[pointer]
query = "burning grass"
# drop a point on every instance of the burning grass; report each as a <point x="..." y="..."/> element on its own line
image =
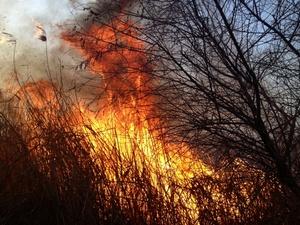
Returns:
<point x="64" y="163"/>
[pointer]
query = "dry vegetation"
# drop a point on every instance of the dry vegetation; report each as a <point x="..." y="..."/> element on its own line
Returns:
<point x="54" y="173"/>
<point x="137" y="155"/>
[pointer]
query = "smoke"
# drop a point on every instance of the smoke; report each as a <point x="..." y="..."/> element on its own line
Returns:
<point x="102" y="11"/>
<point x="19" y="20"/>
<point x="35" y="26"/>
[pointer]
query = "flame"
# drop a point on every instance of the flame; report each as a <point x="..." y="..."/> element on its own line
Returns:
<point x="40" y="95"/>
<point x="122" y="131"/>
<point x="114" y="53"/>
<point x="124" y="127"/>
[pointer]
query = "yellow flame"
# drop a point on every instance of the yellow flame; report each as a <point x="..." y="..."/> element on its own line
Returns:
<point x="132" y="144"/>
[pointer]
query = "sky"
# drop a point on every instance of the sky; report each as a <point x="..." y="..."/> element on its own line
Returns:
<point x="19" y="19"/>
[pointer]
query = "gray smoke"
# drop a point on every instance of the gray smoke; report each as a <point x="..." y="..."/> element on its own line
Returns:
<point x="33" y="54"/>
<point x="18" y="24"/>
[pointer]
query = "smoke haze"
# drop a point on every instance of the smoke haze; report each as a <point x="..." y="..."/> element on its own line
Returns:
<point x="18" y="21"/>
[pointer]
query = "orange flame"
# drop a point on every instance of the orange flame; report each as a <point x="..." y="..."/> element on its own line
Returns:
<point x="121" y="133"/>
<point x="115" y="53"/>
<point x="39" y="95"/>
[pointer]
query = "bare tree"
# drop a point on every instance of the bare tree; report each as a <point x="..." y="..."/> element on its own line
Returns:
<point x="233" y="68"/>
<point x="229" y="76"/>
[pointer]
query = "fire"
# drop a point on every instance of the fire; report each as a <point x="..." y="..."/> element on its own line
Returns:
<point x="114" y="53"/>
<point x="128" y="148"/>
<point x="39" y="95"/>
<point x="122" y="133"/>
<point x="123" y="130"/>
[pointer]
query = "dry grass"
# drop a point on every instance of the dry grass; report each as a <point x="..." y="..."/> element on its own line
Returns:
<point x="49" y="175"/>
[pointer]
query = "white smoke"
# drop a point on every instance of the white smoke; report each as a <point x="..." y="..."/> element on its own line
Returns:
<point x="19" y="19"/>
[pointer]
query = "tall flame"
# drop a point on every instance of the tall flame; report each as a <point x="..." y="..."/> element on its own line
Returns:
<point x="122" y="130"/>
<point x="126" y="122"/>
